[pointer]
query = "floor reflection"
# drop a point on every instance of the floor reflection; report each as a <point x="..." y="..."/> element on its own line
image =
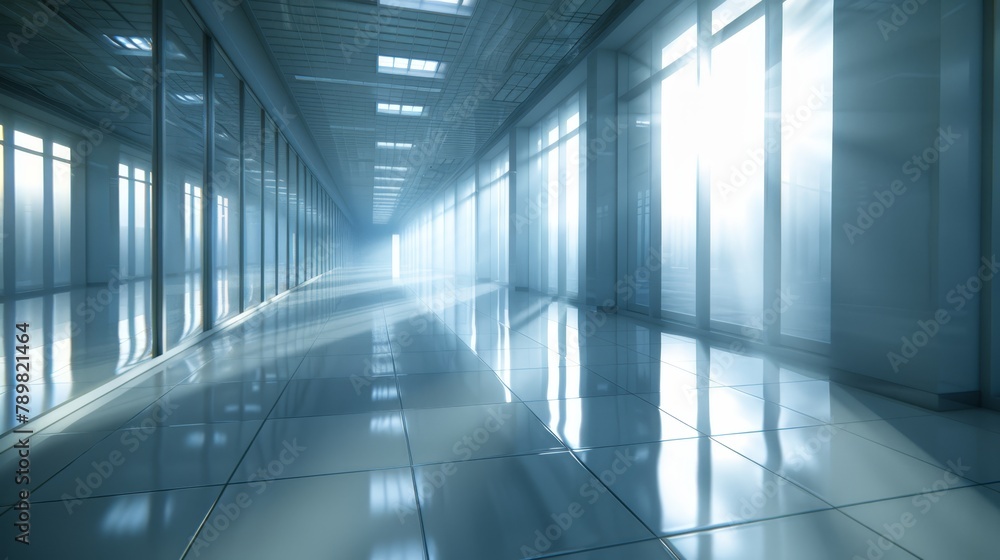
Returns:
<point x="457" y="420"/>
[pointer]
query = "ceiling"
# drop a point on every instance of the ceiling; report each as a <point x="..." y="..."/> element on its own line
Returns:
<point x="492" y="59"/>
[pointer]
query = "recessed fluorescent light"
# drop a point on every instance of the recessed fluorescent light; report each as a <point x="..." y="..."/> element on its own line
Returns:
<point x="395" y="145"/>
<point x="453" y="7"/>
<point x="410" y="66"/>
<point x="131" y="43"/>
<point x="189" y="98"/>
<point x="400" y="179"/>
<point x="367" y="84"/>
<point x="387" y="188"/>
<point x="399" y="109"/>
<point x="393" y="169"/>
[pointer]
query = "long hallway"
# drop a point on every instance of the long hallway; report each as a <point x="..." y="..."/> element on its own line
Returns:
<point x="353" y="419"/>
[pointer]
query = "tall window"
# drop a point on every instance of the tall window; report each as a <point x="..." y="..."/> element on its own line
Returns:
<point x="806" y="167"/>
<point x="270" y="215"/>
<point x="735" y="160"/>
<point x="679" y="130"/>
<point x="557" y="172"/>
<point x="43" y="181"/>
<point x="252" y="227"/>
<point x="133" y="215"/>
<point x="465" y="235"/>
<point x="698" y="98"/>
<point x="494" y="217"/>
<point x="183" y="177"/>
<point x="225" y="182"/>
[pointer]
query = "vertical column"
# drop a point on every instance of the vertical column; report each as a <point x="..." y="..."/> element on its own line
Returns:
<point x="990" y="351"/>
<point x="703" y="252"/>
<point x="208" y="235"/>
<point x="243" y="195"/>
<point x="158" y="194"/>
<point x="772" y="167"/>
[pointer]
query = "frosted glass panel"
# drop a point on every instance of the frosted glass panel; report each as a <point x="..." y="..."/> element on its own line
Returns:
<point x="29" y="198"/>
<point x="573" y="210"/>
<point x="736" y="159"/>
<point x="806" y="167"/>
<point x="183" y="179"/>
<point x="679" y="189"/>
<point x="638" y="173"/>
<point x="252" y="193"/>
<point x="270" y="213"/>
<point x="282" y="171"/>
<point x="226" y="191"/>
<point x="62" y="236"/>
<point x="552" y="223"/>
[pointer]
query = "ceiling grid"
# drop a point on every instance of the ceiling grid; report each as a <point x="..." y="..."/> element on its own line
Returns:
<point x="492" y="60"/>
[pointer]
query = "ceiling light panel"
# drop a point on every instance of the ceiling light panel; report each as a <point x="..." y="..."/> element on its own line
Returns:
<point x="410" y="67"/>
<point x="452" y="7"/>
<point x="399" y="109"/>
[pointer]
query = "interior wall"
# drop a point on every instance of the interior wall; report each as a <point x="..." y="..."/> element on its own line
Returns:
<point x="906" y="195"/>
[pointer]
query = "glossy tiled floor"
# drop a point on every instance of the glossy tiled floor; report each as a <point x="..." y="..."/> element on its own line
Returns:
<point x="357" y="420"/>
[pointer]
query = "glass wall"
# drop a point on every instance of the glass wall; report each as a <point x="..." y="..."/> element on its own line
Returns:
<point x="78" y="193"/>
<point x="465" y="232"/>
<point x="680" y="130"/>
<point x="806" y="166"/>
<point x="225" y="189"/>
<point x="282" y="186"/>
<point x="183" y="181"/>
<point x="734" y="95"/>
<point x="253" y="227"/>
<point x="638" y="154"/>
<point x="492" y="199"/>
<point x="557" y="169"/>
<point x="698" y="145"/>
<point x="270" y="201"/>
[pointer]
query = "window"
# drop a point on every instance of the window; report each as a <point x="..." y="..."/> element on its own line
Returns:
<point x="252" y="230"/>
<point x="679" y="190"/>
<point x="226" y="192"/>
<point x="270" y="187"/>
<point x="29" y="208"/>
<point x="494" y="218"/>
<point x="806" y="167"/>
<point x="557" y="172"/>
<point x="183" y="179"/>
<point x="735" y="121"/>
<point x="704" y="111"/>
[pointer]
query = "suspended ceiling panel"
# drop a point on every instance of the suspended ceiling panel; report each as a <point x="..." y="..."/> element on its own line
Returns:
<point x="490" y="61"/>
